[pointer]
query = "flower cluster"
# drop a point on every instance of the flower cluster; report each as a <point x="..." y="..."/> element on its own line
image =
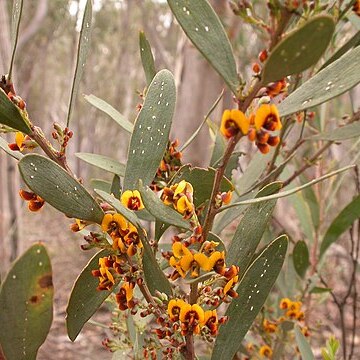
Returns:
<point x="292" y="309"/>
<point x="35" y="202"/>
<point x="259" y="126"/>
<point x="181" y="197"/>
<point x="192" y="319"/>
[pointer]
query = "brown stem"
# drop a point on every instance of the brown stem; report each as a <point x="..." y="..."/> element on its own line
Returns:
<point x="309" y="163"/>
<point x="190" y="349"/>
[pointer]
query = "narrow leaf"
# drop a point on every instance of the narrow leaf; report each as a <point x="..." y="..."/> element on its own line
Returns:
<point x="101" y="185"/>
<point x="202" y="181"/>
<point x="147" y="58"/>
<point x="103" y="162"/>
<point x="151" y="132"/>
<point x="162" y="212"/>
<point x="154" y="276"/>
<point x="311" y="41"/>
<point x="301" y="258"/>
<point x="251" y="229"/>
<point x="5" y="146"/>
<point x="304" y="347"/>
<point x="82" y="52"/>
<point x="85" y="299"/>
<point x="109" y="110"/>
<point x="341" y="133"/>
<point x="342" y="222"/>
<point x="50" y="181"/>
<point x="319" y="290"/>
<point x="26" y="303"/>
<point x="203" y="27"/>
<point x="288" y="192"/>
<point x="11" y="115"/>
<point x="337" y="78"/>
<point x="253" y="290"/>
<point x="15" y="26"/>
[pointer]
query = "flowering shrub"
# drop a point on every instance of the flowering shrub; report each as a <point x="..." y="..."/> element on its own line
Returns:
<point x="189" y="285"/>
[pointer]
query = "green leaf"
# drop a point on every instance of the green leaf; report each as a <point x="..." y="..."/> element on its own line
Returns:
<point x="50" y="181"/>
<point x="337" y="78"/>
<point x="203" y="27"/>
<point x="202" y="181"/>
<point x="300" y="49"/>
<point x="288" y="192"/>
<point x="251" y="229"/>
<point x="304" y="347"/>
<point x="85" y="299"/>
<point x="147" y="58"/>
<point x="15" y="26"/>
<point x="82" y="52"/>
<point x="312" y="202"/>
<point x="116" y="186"/>
<point x="103" y="162"/>
<point x="154" y="276"/>
<point x="151" y="132"/>
<point x="109" y="110"/>
<point x="319" y="290"/>
<point x="253" y="290"/>
<point x="162" y="212"/>
<point x="5" y="146"/>
<point x="342" y="222"/>
<point x="301" y="258"/>
<point x="11" y="115"/>
<point x="349" y="131"/>
<point x="26" y="303"/>
<point x="101" y="185"/>
<point x="353" y="42"/>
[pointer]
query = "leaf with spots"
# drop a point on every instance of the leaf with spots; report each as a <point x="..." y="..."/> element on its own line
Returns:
<point x="202" y="181"/>
<point x="337" y="78"/>
<point x="299" y="50"/>
<point x="151" y="131"/>
<point x="50" y="181"/>
<point x="26" y="303"/>
<point x="147" y="58"/>
<point x="11" y="115"/>
<point x="253" y="290"/>
<point x="85" y="299"/>
<point x="204" y="28"/>
<point x="162" y="212"/>
<point x="109" y="110"/>
<point x="103" y="162"/>
<point x="82" y="52"/>
<point x="251" y="229"/>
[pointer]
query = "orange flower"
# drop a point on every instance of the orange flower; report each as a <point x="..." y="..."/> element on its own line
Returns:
<point x="211" y="321"/>
<point x="265" y="351"/>
<point x="267" y="117"/>
<point x="132" y="200"/>
<point x="182" y="260"/>
<point x="215" y="261"/>
<point x="234" y="121"/>
<point x="269" y="326"/>
<point x="114" y="224"/>
<point x="124" y="297"/>
<point x="191" y="316"/>
<point x="35" y="202"/>
<point x="174" y="308"/>
<point x="285" y="303"/>
<point x="105" y="273"/>
<point x="356" y="7"/>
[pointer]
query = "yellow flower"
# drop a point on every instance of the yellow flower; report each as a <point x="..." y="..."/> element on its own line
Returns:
<point x="19" y="140"/>
<point x="265" y="351"/>
<point x="174" y="308"/>
<point x="234" y="121"/>
<point x="113" y="223"/>
<point x="124" y="297"/>
<point x="106" y="277"/>
<point x="132" y="200"/>
<point x="182" y="259"/>
<point x="269" y="326"/>
<point x="285" y="303"/>
<point x="229" y="287"/>
<point x="267" y="117"/>
<point x="184" y="206"/>
<point x="191" y="316"/>
<point x="207" y="263"/>
<point x="211" y="321"/>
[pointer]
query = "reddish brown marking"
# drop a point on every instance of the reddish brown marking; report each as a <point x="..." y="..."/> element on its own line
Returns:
<point x="34" y="299"/>
<point x="46" y="281"/>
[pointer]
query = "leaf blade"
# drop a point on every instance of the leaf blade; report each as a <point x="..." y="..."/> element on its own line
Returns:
<point x="147" y="58"/>
<point x="26" y="302"/>
<point x="50" y="181"/>
<point x="254" y="287"/>
<point x="203" y="27"/>
<point x="301" y="258"/>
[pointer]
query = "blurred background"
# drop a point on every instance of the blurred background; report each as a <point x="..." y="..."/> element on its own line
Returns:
<point x="43" y="73"/>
